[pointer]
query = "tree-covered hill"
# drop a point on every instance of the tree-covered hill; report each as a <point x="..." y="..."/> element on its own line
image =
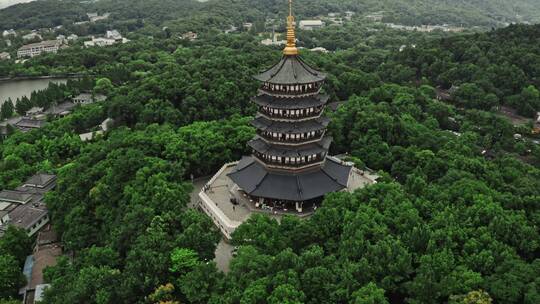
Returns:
<point x="444" y="224"/>
<point x="487" y="13"/>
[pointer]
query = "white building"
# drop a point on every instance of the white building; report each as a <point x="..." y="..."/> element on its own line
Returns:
<point x="191" y="36"/>
<point x="5" y="56"/>
<point x="72" y="37"/>
<point x="87" y="98"/>
<point x="319" y="49"/>
<point x="113" y="34"/>
<point x="35" y="49"/>
<point x="311" y="24"/>
<point x="10" y="32"/>
<point x="96" y="17"/>
<point x="100" y="41"/>
<point x="32" y="36"/>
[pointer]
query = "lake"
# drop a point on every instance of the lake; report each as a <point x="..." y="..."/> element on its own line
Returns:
<point x="18" y="88"/>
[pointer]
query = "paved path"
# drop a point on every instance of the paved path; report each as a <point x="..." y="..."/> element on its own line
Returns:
<point x="224" y="250"/>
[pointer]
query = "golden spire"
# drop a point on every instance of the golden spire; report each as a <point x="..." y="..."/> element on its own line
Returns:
<point x="290" y="48"/>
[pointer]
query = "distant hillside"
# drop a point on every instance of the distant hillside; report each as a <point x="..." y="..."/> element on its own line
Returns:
<point x="415" y="12"/>
<point x="487" y="13"/>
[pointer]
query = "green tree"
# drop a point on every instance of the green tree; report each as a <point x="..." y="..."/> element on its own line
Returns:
<point x="11" y="277"/>
<point x="7" y="109"/>
<point x="369" y="294"/>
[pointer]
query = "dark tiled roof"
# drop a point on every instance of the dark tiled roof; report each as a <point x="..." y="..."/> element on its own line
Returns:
<point x="261" y="146"/>
<point x="40" y="180"/>
<point x="29" y="123"/>
<point x="265" y="124"/>
<point x="290" y="103"/>
<point x="256" y="180"/>
<point x="15" y="196"/>
<point x="291" y="70"/>
<point x="24" y="216"/>
<point x="61" y="108"/>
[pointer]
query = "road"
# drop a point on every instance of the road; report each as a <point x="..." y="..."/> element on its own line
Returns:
<point x="224" y="250"/>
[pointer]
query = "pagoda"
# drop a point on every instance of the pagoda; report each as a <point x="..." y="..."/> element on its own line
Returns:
<point x="289" y="167"/>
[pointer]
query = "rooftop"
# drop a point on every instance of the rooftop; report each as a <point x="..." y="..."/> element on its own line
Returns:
<point x="30" y="123"/>
<point x="60" y="109"/>
<point x="46" y="43"/>
<point x="291" y="70"/>
<point x="256" y="180"/>
<point x="311" y="23"/>
<point x="14" y="196"/>
<point x="25" y="216"/>
<point x="40" y="180"/>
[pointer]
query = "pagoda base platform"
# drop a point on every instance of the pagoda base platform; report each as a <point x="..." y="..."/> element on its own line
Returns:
<point x="229" y="206"/>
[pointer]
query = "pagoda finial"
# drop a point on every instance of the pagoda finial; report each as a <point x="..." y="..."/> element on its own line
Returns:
<point x="290" y="48"/>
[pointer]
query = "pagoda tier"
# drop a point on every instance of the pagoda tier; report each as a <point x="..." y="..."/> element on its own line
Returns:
<point x="257" y="181"/>
<point x="289" y="103"/>
<point x="292" y="74"/>
<point x="290" y="127"/>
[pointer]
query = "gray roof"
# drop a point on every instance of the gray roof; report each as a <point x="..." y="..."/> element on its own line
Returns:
<point x="290" y="103"/>
<point x="61" y="108"/>
<point x="252" y="177"/>
<point x="25" y="216"/>
<point x="40" y="180"/>
<point x="291" y="70"/>
<point x="15" y="196"/>
<point x="296" y="127"/>
<point x="261" y="146"/>
<point x="29" y="123"/>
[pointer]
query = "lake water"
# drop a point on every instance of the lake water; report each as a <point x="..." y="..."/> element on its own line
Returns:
<point x="6" y="3"/>
<point x="18" y="88"/>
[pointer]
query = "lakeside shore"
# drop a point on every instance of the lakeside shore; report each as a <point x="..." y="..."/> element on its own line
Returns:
<point x="7" y="79"/>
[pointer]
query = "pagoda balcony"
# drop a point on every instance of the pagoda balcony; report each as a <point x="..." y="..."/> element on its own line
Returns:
<point x="291" y="115"/>
<point x="290" y="92"/>
<point x="292" y="139"/>
<point x="288" y="164"/>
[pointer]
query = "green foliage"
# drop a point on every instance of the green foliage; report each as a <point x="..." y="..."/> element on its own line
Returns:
<point x="369" y="294"/>
<point x="17" y="243"/>
<point x="183" y="260"/>
<point x="11" y="277"/>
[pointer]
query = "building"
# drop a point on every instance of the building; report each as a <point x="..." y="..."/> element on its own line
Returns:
<point x="191" y="36"/>
<point x="45" y="254"/>
<point x="61" y="110"/>
<point x="10" y="32"/>
<point x="72" y="38"/>
<point x="111" y="37"/>
<point x="100" y="41"/>
<point x="5" y="56"/>
<point x="273" y="41"/>
<point x="103" y="127"/>
<point x="4" y="132"/>
<point x="24" y="207"/>
<point x="349" y="15"/>
<point x="375" y="17"/>
<point x="94" y="17"/>
<point x="289" y="171"/>
<point x="113" y="34"/>
<point x="32" y="36"/>
<point x="26" y="124"/>
<point x="311" y="24"/>
<point x="36" y="49"/>
<point x="319" y="49"/>
<point x="87" y="98"/>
